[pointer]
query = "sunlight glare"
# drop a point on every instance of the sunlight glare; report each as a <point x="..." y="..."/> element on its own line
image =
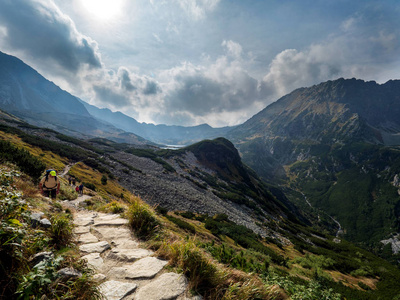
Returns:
<point x="103" y="9"/>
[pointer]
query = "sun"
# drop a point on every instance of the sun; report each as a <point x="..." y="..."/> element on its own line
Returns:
<point x="103" y="9"/>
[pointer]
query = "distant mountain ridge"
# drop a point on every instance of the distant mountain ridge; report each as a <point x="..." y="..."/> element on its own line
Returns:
<point x="335" y="111"/>
<point x="161" y="134"/>
<point x="27" y="94"/>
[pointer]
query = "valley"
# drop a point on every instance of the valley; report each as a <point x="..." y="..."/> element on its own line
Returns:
<point x="303" y="196"/>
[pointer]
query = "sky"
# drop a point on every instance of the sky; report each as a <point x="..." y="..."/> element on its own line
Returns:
<point x="189" y="62"/>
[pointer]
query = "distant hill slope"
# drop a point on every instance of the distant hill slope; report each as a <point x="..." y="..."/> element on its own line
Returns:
<point x="161" y="134"/>
<point x="336" y="144"/>
<point x="28" y="95"/>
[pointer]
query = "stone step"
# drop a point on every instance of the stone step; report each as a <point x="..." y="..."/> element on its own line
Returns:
<point x="116" y="290"/>
<point x="128" y="255"/>
<point x="99" y="247"/>
<point x="167" y="286"/>
<point x="111" y="233"/>
<point x="87" y="238"/>
<point x="94" y="260"/>
<point x="147" y="267"/>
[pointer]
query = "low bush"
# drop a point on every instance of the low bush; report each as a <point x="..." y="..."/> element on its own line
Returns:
<point x="61" y="230"/>
<point x="182" y="224"/>
<point x="114" y="207"/>
<point x="189" y="258"/>
<point x="142" y="219"/>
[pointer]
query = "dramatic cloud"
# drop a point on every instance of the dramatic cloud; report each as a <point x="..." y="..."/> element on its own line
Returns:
<point x="40" y="28"/>
<point x="358" y="50"/>
<point x="198" y="78"/>
<point x="199" y="92"/>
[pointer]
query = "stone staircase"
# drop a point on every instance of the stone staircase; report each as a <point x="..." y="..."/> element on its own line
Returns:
<point x="125" y="270"/>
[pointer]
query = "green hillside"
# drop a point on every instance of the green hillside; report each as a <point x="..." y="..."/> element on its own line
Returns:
<point x="222" y="260"/>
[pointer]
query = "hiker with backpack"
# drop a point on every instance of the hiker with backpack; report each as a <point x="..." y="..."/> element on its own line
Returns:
<point x="81" y="189"/>
<point x="50" y="185"/>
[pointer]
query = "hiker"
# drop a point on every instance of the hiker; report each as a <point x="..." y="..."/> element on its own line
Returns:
<point x="50" y="185"/>
<point x="77" y="189"/>
<point x="69" y="180"/>
<point x="81" y="189"/>
<point x="73" y="181"/>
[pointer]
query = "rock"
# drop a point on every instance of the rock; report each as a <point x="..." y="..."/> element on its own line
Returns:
<point x="94" y="260"/>
<point x="110" y="233"/>
<point x="116" y="290"/>
<point x="84" y="221"/>
<point x="88" y="238"/>
<point x="99" y="277"/>
<point x="67" y="273"/>
<point x="198" y="297"/>
<point x="35" y="219"/>
<point x="99" y="247"/>
<point x="128" y="255"/>
<point x="110" y="222"/>
<point x="167" y="286"/>
<point x="39" y="257"/>
<point x="81" y="229"/>
<point x="125" y="244"/>
<point x="45" y="223"/>
<point x="147" y="267"/>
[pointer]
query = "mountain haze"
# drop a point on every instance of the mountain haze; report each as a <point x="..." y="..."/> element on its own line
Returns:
<point x="161" y="134"/>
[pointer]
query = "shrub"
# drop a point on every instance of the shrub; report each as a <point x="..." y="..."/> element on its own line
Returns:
<point x="114" y="207"/>
<point x="182" y="224"/>
<point x="365" y="271"/>
<point x="161" y="210"/>
<point x="28" y="163"/>
<point x="90" y="186"/>
<point x="185" y="255"/>
<point x="142" y="219"/>
<point x="104" y="180"/>
<point x="61" y="230"/>
<point x="67" y="193"/>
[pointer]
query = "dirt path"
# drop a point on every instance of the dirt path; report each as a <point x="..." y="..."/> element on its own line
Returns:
<point x="66" y="169"/>
<point x="125" y="270"/>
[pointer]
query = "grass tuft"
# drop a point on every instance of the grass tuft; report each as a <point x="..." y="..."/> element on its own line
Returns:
<point x="142" y="219"/>
<point x="61" y="231"/>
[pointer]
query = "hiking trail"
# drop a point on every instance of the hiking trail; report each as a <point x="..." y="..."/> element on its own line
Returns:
<point x="125" y="270"/>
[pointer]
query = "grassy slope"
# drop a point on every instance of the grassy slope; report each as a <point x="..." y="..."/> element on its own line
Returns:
<point x="235" y="251"/>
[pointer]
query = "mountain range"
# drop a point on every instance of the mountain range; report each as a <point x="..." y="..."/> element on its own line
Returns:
<point x="27" y="94"/>
<point x="332" y="148"/>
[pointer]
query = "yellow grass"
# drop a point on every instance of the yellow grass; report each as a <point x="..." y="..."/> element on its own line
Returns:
<point x="86" y="174"/>
<point x="50" y="159"/>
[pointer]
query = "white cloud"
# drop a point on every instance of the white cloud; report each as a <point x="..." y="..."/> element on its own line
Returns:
<point x="198" y="8"/>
